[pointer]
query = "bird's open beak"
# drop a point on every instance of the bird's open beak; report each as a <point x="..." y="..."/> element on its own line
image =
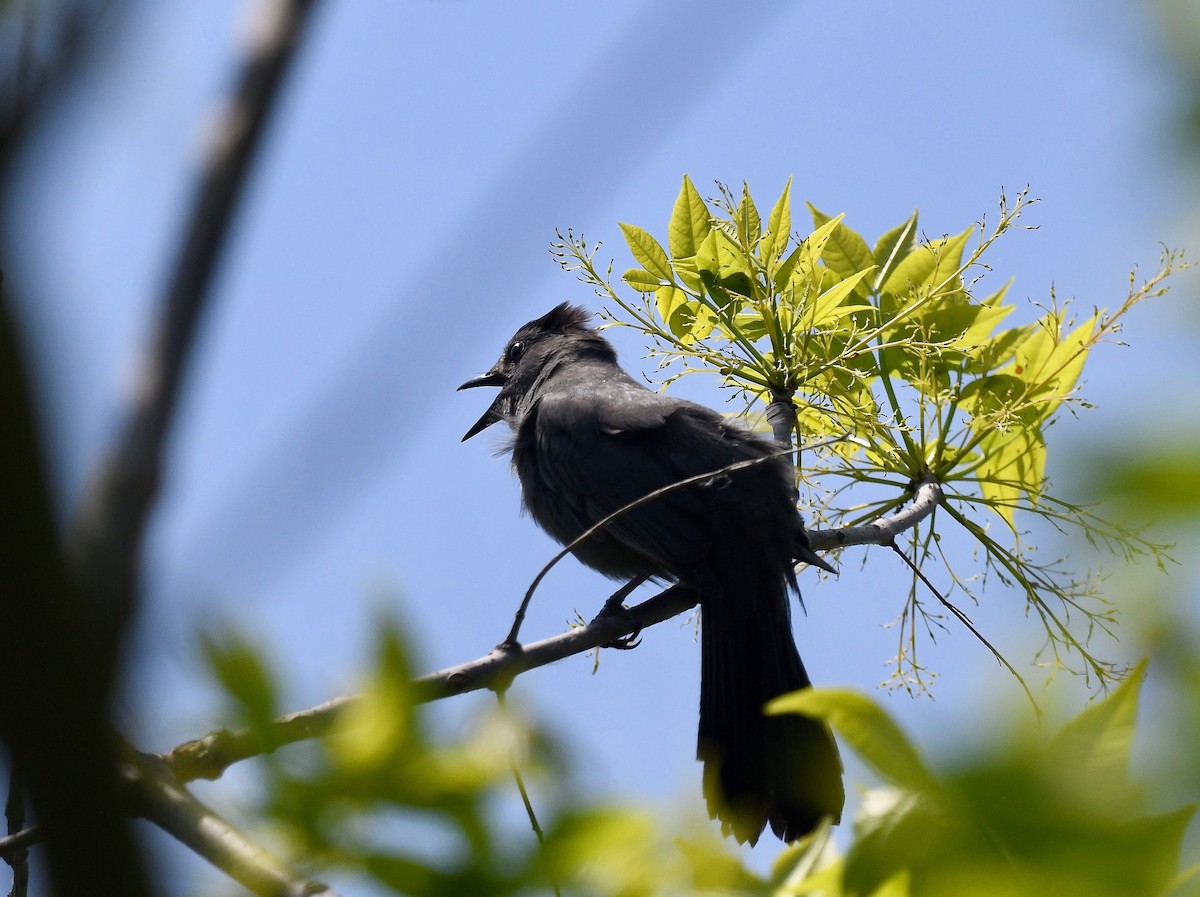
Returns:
<point x="492" y="415"/>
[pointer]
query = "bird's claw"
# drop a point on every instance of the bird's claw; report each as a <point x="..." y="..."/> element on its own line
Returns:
<point x="626" y="642"/>
<point x="614" y="607"/>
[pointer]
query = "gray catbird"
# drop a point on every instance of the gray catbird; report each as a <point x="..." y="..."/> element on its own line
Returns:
<point x="589" y="439"/>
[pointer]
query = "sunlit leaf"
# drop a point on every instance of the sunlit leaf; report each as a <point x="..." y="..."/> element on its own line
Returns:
<point x="779" y="226"/>
<point x="892" y="247"/>
<point x="828" y="307"/>
<point x="749" y="225"/>
<point x="641" y="280"/>
<point x="685" y="316"/>
<point x="864" y="726"/>
<point x="647" y="251"/>
<point x="689" y="221"/>
<point x="847" y="252"/>
<point x="1051" y="362"/>
<point x="720" y="260"/>
<point x="927" y="265"/>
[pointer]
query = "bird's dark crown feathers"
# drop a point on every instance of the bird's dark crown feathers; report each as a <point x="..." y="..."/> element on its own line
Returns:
<point x="564" y="317"/>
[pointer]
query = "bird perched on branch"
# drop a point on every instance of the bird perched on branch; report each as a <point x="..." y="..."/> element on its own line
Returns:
<point x="589" y="440"/>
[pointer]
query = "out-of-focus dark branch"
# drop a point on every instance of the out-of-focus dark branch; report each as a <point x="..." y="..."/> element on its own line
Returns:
<point x="105" y="540"/>
<point x="65" y="609"/>
<point x="34" y="76"/>
<point x="54" y="702"/>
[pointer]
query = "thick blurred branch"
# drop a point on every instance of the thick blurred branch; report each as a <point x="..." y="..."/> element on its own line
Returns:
<point x="66" y="608"/>
<point x="159" y="798"/>
<point x="54" y="701"/>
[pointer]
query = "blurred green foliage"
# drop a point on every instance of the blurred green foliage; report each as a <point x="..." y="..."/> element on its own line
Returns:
<point x="423" y="813"/>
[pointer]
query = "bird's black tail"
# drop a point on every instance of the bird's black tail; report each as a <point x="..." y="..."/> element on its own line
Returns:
<point x="784" y="770"/>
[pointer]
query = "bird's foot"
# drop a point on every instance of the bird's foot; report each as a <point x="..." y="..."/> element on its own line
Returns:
<point x="615" y="607"/>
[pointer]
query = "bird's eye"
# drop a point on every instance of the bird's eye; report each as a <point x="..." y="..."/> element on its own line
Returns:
<point x="515" y="351"/>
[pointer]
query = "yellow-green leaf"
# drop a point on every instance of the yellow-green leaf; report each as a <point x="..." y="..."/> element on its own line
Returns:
<point x="723" y="260"/>
<point x="689" y="221"/>
<point x="865" y="726"/>
<point x="779" y="226"/>
<point x="828" y="306"/>
<point x="647" y="251"/>
<point x="1051" y="363"/>
<point x="641" y="280"/>
<point x="928" y="265"/>
<point x="1014" y="465"/>
<point x="797" y="271"/>
<point x="846" y="252"/>
<point x="749" y="225"/>
<point x="686" y="317"/>
<point x="894" y="246"/>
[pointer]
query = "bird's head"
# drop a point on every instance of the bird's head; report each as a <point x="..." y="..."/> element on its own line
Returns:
<point x="533" y="353"/>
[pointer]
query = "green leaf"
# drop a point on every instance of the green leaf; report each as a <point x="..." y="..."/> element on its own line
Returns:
<point x="779" y="226"/>
<point x="829" y="305"/>
<point x="641" y="280"/>
<point x="1014" y="465"/>
<point x="796" y="274"/>
<point x="867" y="728"/>
<point x="689" y="221"/>
<point x="816" y="242"/>
<point x="647" y="251"/>
<point x="894" y="246"/>
<point x="1051" y="363"/>
<point x="847" y="252"/>
<point x="686" y="317"/>
<point x="749" y="225"/>
<point x="720" y="261"/>
<point x="927" y="265"/>
<point x="1096" y="745"/>
<point x="240" y="669"/>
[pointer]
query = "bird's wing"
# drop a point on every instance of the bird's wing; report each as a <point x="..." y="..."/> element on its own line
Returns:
<point x="596" y="452"/>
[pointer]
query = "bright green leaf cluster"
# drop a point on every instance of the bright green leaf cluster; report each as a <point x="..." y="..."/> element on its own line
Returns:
<point x="898" y="373"/>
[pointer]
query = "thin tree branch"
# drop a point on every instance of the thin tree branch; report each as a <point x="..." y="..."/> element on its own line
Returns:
<point x="36" y="76"/>
<point x="21" y="840"/>
<point x="927" y="495"/>
<point x="210" y="756"/>
<point x="159" y="798"/>
<point x="966" y="621"/>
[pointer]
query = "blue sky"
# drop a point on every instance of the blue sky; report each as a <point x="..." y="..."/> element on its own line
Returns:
<point x="395" y="234"/>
